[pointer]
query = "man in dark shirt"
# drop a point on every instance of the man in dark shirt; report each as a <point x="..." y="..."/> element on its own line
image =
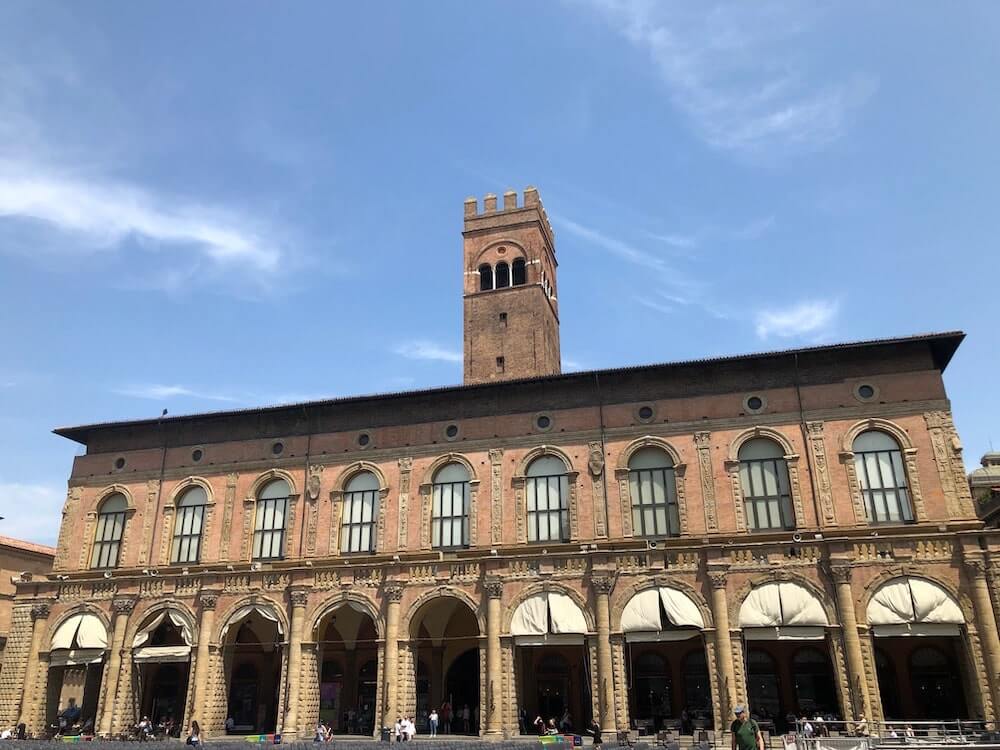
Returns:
<point x="746" y="733"/>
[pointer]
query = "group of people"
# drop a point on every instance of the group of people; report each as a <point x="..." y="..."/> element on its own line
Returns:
<point x="16" y="733"/>
<point x="70" y="721"/>
<point x="147" y="730"/>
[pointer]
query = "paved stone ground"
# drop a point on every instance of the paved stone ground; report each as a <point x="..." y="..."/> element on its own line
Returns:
<point x="464" y="743"/>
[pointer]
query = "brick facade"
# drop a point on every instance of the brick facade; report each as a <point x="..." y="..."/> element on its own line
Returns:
<point x="385" y="626"/>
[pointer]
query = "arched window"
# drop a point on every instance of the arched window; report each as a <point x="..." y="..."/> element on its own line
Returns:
<point x="503" y="275"/>
<point x="485" y="277"/>
<point x="190" y="515"/>
<point x="878" y="463"/>
<point x="269" y="524"/>
<point x="519" y="272"/>
<point x="654" y="493"/>
<point x="767" y="497"/>
<point x="110" y="527"/>
<point x="357" y="533"/>
<point x="547" y="488"/>
<point x="450" y="509"/>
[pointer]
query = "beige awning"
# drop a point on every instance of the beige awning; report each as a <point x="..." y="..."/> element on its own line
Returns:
<point x="248" y="609"/>
<point x="144" y="635"/>
<point x="65" y="657"/>
<point x="161" y="654"/>
<point x="82" y="631"/>
<point x="782" y="611"/>
<point x="914" y="606"/>
<point x="643" y="612"/>
<point x="548" y="613"/>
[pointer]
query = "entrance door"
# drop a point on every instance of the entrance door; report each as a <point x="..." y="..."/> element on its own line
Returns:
<point x="243" y="697"/>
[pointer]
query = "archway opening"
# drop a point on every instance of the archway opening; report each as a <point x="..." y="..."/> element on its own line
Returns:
<point x="788" y="668"/>
<point x="921" y="655"/>
<point x="161" y="653"/>
<point x="253" y="646"/>
<point x="669" y="685"/>
<point x="444" y="639"/>
<point x="348" y="654"/>
<point x="76" y="666"/>
<point x="552" y="670"/>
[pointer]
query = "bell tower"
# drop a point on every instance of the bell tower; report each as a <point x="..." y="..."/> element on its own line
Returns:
<point x="510" y="301"/>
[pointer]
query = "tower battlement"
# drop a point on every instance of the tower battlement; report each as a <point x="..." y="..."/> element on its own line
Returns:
<point x="494" y="215"/>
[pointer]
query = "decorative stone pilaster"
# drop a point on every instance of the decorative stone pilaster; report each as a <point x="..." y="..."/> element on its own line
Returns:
<point x="227" y="517"/>
<point x="405" y="467"/>
<point x="148" y="515"/>
<point x="703" y="444"/>
<point x="309" y="688"/>
<point x="860" y="703"/>
<point x="727" y="687"/>
<point x="602" y="585"/>
<point x="299" y="599"/>
<point x="494" y="675"/>
<point x="822" y="485"/>
<point x="393" y="593"/>
<point x="496" y="496"/>
<point x="313" y="486"/>
<point x="67" y="528"/>
<point x="509" y="705"/>
<point x="595" y="466"/>
<point x="951" y="469"/>
<point x="122" y="608"/>
<point x="619" y="671"/>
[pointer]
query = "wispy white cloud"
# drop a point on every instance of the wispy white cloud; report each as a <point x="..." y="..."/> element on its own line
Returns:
<point x="755" y="229"/>
<point x="614" y="245"/>
<point x="102" y="214"/>
<point x="732" y="69"/>
<point x="811" y="319"/>
<point x="31" y="511"/>
<point x="680" y="241"/>
<point x="159" y="392"/>
<point x="427" y="350"/>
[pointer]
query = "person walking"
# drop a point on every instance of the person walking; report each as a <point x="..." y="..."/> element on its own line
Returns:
<point x="432" y="720"/>
<point x="194" y="738"/>
<point x="746" y="732"/>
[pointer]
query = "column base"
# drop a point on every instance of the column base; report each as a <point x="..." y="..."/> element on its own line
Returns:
<point x="492" y="734"/>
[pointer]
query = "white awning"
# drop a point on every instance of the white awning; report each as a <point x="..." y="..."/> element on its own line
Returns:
<point x="248" y="609"/>
<point x="144" y="635"/>
<point x="161" y="654"/>
<point x="547" y="613"/>
<point x="782" y="605"/>
<point x="547" y="639"/>
<point x="82" y="631"/>
<point x="658" y="636"/>
<point x="65" y="657"/>
<point x="913" y="602"/>
<point x="787" y="633"/>
<point x="643" y="614"/>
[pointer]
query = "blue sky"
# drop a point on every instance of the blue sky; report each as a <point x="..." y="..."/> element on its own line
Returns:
<point x="215" y="205"/>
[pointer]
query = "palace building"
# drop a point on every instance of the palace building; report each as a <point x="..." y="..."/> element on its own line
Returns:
<point x="792" y="529"/>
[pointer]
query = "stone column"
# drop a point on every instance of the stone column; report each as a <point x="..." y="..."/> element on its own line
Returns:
<point x="987" y="626"/>
<point x="29" y="699"/>
<point x="852" y="644"/>
<point x="393" y="594"/>
<point x="202" y="689"/>
<point x="723" y="641"/>
<point x="290" y="726"/>
<point x="494" y="670"/>
<point x="122" y="608"/>
<point x="605" y="675"/>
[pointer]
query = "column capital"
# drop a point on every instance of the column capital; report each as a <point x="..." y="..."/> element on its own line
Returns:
<point x="393" y="591"/>
<point x="840" y="572"/>
<point x="208" y="599"/>
<point x="123" y="605"/>
<point x="718" y="578"/>
<point x="493" y="587"/>
<point x="975" y="567"/>
<point x="299" y="597"/>
<point x="41" y="610"/>
<point x="602" y="584"/>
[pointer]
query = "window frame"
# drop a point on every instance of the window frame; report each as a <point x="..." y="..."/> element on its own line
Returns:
<point x="670" y="505"/>
<point x="261" y="508"/>
<point x="356" y="498"/>
<point x="752" y="503"/>
<point x="102" y="547"/>
<point x="534" y="517"/>
<point x="463" y="518"/>
<point x="184" y="516"/>
<point x="903" y="493"/>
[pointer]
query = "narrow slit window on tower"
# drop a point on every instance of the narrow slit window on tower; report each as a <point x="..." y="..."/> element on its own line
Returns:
<point x="485" y="277"/>
<point x="503" y="320"/>
<point x="503" y="275"/>
<point x="500" y="364"/>
<point x="519" y="272"/>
